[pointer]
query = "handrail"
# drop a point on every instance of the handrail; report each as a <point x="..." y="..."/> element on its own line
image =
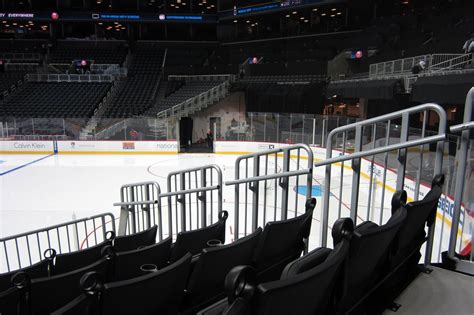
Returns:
<point x="402" y="146"/>
<point x="163" y="195"/>
<point x="67" y="236"/>
<point x="176" y="108"/>
<point x="462" y="156"/>
<point x="146" y="199"/>
<point x="268" y="177"/>
<point x="256" y="173"/>
<point x="69" y="78"/>
<point x="389" y="148"/>
<point x="461" y="127"/>
<point x="404" y="66"/>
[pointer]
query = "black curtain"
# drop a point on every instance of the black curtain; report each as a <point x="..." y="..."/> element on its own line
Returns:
<point x="185" y="130"/>
<point x="378" y="107"/>
<point x="285" y="98"/>
<point x="443" y="89"/>
<point x="371" y="89"/>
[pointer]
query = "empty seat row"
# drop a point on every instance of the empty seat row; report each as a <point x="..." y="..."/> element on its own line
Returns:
<point x="55" y="100"/>
<point x="101" y="53"/>
<point x="366" y="270"/>
<point x="137" y="93"/>
<point x="205" y="281"/>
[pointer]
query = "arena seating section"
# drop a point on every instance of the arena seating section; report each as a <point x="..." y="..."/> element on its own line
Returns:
<point x="172" y="93"/>
<point x="260" y="273"/>
<point x="9" y="81"/>
<point x="107" y="52"/>
<point x="46" y="99"/>
<point x="137" y="93"/>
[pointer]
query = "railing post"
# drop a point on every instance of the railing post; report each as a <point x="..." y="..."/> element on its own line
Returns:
<point x="460" y="176"/>
<point x="323" y="133"/>
<point x="254" y="187"/>
<point x="202" y="197"/>
<point x="355" y="165"/>
<point x="326" y="195"/>
<point x="284" y="185"/>
<point x="124" y="216"/>
<point x="402" y="153"/>
<point x="182" y="202"/>
<point x="236" y="205"/>
<point x="438" y="168"/>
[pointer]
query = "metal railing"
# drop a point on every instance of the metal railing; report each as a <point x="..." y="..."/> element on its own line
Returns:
<point x="109" y="69"/>
<point x="462" y="158"/>
<point x="197" y="102"/>
<point x="24" y="66"/>
<point x="203" y="78"/>
<point x="357" y="131"/>
<point x="193" y="200"/>
<point x="25" y="249"/>
<point x="20" y="56"/>
<point x="433" y="62"/>
<point x="69" y="78"/>
<point x="265" y="175"/>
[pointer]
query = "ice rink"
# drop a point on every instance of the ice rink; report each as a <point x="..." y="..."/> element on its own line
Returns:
<point x="43" y="190"/>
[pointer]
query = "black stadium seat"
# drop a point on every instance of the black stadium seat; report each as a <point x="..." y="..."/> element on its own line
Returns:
<point x="84" y="304"/>
<point x="194" y="241"/>
<point x="48" y="294"/>
<point x="306" y="285"/>
<point x="282" y="242"/>
<point x="159" y="292"/>
<point x="419" y="214"/>
<point x="206" y="282"/>
<point x="127" y="264"/>
<point x="369" y="249"/>
<point x="10" y="302"/>
<point x="405" y="256"/>
<point x="134" y="241"/>
<point x="75" y="260"/>
<point x="38" y="270"/>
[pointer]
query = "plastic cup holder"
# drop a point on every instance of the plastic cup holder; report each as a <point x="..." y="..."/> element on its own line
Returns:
<point x="214" y="243"/>
<point x="148" y="268"/>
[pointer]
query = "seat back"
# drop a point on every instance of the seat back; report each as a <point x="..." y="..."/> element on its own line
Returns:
<point x="46" y="295"/>
<point x="306" y="285"/>
<point x="10" y="301"/>
<point x="81" y="305"/>
<point x="194" y="241"/>
<point x="38" y="270"/>
<point x="160" y="292"/>
<point x="419" y="214"/>
<point x="71" y="261"/>
<point x="134" y="241"/>
<point x="369" y="247"/>
<point x="127" y="264"/>
<point x="207" y="278"/>
<point x="282" y="242"/>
